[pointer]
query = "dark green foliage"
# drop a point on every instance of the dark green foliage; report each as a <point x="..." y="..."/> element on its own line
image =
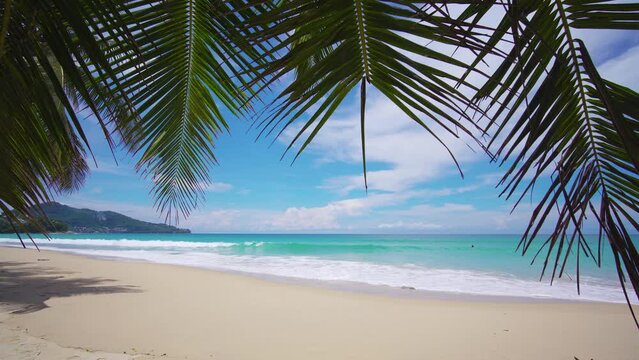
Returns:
<point x="334" y="46"/>
<point x="557" y="115"/>
<point x="156" y="75"/>
<point x="189" y="68"/>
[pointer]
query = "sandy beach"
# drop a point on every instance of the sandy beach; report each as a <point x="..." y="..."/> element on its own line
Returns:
<point x="61" y="306"/>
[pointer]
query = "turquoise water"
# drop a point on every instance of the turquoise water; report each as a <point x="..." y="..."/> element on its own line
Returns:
<point x="472" y="264"/>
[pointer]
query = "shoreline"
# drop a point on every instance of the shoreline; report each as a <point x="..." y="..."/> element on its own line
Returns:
<point x="352" y="286"/>
<point x="357" y="287"/>
<point x="90" y="305"/>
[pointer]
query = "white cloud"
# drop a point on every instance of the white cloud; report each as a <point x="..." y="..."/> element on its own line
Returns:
<point x="302" y="218"/>
<point x="411" y="155"/>
<point x="332" y="216"/>
<point x="604" y="45"/>
<point x="336" y="215"/>
<point x="218" y="187"/>
<point x="407" y="225"/>
<point x="213" y="220"/>
<point x="461" y="218"/>
<point x="109" y="167"/>
<point x="619" y="69"/>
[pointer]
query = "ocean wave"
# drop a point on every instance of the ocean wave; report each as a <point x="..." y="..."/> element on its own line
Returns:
<point x="124" y="243"/>
<point x="316" y="261"/>
<point x="274" y="247"/>
<point x="418" y="277"/>
<point x="302" y="248"/>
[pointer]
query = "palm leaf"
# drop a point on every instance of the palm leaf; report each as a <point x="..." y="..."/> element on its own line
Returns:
<point x="552" y="112"/>
<point x="600" y="14"/>
<point x="333" y="46"/>
<point x="160" y="76"/>
<point x="47" y="62"/>
<point x="546" y="107"/>
<point x="191" y="70"/>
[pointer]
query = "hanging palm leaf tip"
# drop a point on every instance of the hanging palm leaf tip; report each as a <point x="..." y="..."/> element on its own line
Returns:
<point x="334" y="46"/>
<point x="195" y="68"/>
<point x="557" y="114"/>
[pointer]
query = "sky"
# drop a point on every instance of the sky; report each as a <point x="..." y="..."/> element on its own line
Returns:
<point x="414" y="186"/>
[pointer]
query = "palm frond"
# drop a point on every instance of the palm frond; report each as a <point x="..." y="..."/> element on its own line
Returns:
<point x="191" y="72"/>
<point x="47" y="57"/>
<point x="601" y="14"/>
<point x="552" y="112"/>
<point x="333" y="46"/>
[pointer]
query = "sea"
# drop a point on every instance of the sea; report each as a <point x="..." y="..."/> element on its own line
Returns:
<point x="475" y="265"/>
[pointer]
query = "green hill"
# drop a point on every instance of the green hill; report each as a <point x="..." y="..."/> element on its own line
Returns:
<point x="91" y="221"/>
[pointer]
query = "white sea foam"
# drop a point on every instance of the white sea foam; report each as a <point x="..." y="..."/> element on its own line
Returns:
<point x="124" y="243"/>
<point x="307" y="267"/>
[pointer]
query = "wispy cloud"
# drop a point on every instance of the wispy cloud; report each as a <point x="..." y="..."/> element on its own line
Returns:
<point x="110" y="167"/>
<point x="218" y="187"/>
<point x="407" y="154"/>
<point x="334" y="215"/>
<point x="407" y="225"/>
<point x="618" y="69"/>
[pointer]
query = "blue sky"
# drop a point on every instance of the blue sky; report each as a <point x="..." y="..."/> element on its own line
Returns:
<point x="414" y="185"/>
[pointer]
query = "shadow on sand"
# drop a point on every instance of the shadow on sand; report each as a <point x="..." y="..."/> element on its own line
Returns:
<point x="24" y="288"/>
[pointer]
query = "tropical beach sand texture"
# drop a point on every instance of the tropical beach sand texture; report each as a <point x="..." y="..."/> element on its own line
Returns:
<point x="60" y="306"/>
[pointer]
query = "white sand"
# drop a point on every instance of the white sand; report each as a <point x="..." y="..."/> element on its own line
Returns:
<point x="67" y="306"/>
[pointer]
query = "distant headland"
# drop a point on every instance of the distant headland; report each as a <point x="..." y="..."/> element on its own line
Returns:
<point x="65" y="218"/>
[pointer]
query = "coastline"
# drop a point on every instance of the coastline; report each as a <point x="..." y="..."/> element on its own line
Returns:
<point x="404" y="291"/>
<point x="87" y="304"/>
<point x="441" y="267"/>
